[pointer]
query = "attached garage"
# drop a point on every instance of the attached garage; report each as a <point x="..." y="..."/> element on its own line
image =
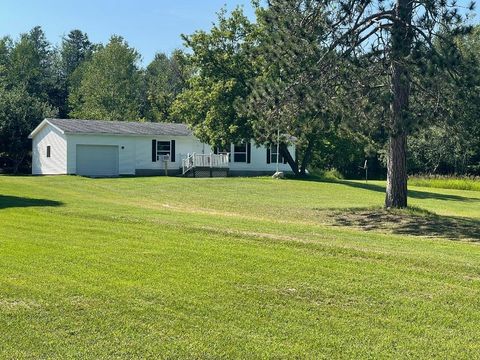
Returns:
<point x="97" y="160"/>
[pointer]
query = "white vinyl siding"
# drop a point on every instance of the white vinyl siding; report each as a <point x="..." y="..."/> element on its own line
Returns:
<point x="258" y="155"/>
<point x="134" y="152"/>
<point x="56" y="163"/>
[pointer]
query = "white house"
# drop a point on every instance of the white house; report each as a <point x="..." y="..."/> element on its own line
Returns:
<point x="112" y="148"/>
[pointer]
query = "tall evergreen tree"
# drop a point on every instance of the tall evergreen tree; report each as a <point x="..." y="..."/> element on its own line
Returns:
<point x="451" y="143"/>
<point x="31" y="64"/>
<point x="398" y="37"/>
<point x="292" y="92"/>
<point x="75" y="49"/>
<point x="395" y="42"/>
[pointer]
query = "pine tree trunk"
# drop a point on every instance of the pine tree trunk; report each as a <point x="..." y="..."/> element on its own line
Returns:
<point x="396" y="193"/>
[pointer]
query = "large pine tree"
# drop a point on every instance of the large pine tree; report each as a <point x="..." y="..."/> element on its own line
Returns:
<point x="399" y="36"/>
<point x="396" y="40"/>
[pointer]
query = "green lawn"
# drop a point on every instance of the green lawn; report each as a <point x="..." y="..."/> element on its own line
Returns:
<point x="235" y="268"/>
<point x="447" y="182"/>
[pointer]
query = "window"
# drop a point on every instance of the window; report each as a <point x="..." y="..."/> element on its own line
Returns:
<point x="273" y="153"/>
<point x="163" y="148"/>
<point x="48" y="151"/>
<point x="240" y="153"/>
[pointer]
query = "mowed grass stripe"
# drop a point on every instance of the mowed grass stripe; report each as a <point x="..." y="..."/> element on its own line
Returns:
<point x="97" y="279"/>
<point x="357" y="243"/>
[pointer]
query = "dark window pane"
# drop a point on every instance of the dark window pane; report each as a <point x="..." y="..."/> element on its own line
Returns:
<point x="240" y="157"/>
<point x="240" y="148"/>
<point x="48" y="151"/>
<point x="163" y="148"/>
<point x="273" y="153"/>
<point x="163" y="145"/>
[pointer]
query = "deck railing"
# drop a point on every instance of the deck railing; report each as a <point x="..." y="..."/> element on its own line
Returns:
<point x="205" y="160"/>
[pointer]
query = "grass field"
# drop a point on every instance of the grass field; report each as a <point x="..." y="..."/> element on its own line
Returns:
<point x="447" y="182"/>
<point x="235" y="268"/>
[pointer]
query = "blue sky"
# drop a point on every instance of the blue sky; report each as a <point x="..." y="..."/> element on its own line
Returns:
<point x="148" y="25"/>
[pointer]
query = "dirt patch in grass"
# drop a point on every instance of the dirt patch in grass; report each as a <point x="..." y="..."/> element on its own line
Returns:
<point x="415" y="222"/>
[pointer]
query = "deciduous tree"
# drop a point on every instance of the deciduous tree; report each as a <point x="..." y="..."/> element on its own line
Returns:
<point x="110" y="84"/>
<point x="221" y="72"/>
<point x="165" y="78"/>
<point x="20" y="113"/>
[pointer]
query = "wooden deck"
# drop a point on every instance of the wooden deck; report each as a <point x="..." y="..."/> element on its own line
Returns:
<point x="205" y="165"/>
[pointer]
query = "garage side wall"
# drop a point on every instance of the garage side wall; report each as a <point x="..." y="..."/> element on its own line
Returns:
<point x="126" y="150"/>
<point x="57" y="162"/>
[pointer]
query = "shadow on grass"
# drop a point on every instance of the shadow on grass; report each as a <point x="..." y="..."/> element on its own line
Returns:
<point x="7" y="201"/>
<point x="378" y="188"/>
<point x="411" y="193"/>
<point x="410" y="222"/>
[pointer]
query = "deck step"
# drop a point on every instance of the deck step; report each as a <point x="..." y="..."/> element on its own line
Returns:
<point x="205" y="172"/>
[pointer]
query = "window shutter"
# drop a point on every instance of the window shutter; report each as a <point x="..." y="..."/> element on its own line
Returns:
<point x="268" y="154"/>
<point x="249" y="148"/>
<point x="154" y="150"/>
<point x="284" y="157"/>
<point x="172" y="151"/>
<point x="215" y="150"/>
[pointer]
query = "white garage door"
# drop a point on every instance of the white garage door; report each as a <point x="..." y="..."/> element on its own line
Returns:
<point x="97" y="160"/>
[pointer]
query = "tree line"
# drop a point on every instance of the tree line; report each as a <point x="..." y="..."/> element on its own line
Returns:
<point x="395" y="83"/>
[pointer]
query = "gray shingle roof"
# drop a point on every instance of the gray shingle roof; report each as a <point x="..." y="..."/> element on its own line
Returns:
<point x="76" y="126"/>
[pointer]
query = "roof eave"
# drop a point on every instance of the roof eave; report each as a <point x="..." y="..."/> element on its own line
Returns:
<point x="41" y="126"/>
<point x="117" y="134"/>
